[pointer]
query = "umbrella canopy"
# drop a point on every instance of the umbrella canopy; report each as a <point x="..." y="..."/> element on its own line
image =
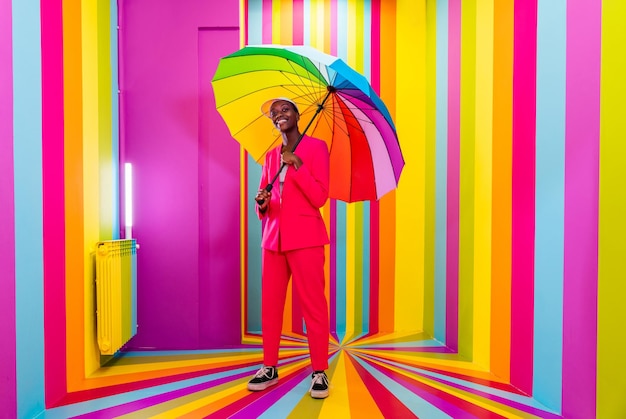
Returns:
<point x="336" y="103"/>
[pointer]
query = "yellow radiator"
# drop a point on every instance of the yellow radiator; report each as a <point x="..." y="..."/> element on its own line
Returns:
<point x="116" y="293"/>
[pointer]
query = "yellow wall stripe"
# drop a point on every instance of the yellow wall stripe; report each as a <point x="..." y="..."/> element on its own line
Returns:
<point x="410" y="196"/>
<point x="75" y="264"/>
<point x="483" y="181"/>
<point x="466" y="184"/>
<point x="285" y="21"/>
<point x="91" y="162"/>
<point x="275" y="18"/>
<point x="612" y="224"/>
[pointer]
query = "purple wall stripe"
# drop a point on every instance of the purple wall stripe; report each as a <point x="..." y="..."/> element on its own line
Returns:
<point x="53" y="194"/>
<point x="582" y="131"/>
<point x="7" y="215"/>
<point x="333" y="27"/>
<point x="332" y="303"/>
<point x="115" y="130"/>
<point x="374" y="216"/>
<point x="298" y="20"/>
<point x="453" y="180"/>
<point x="267" y="22"/>
<point x="523" y="192"/>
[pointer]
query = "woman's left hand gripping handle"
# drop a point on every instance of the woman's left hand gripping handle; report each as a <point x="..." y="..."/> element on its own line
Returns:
<point x="262" y="198"/>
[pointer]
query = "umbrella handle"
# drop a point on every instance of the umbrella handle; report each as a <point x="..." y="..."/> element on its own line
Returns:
<point x="270" y="185"/>
<point x="268" y="188"/>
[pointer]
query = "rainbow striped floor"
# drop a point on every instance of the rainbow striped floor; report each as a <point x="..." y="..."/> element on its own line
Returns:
<point x="382" y="376"/>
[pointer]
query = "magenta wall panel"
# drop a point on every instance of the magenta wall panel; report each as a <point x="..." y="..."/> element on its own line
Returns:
<point x="186" y="172"/>
<point x="7" y="215"/>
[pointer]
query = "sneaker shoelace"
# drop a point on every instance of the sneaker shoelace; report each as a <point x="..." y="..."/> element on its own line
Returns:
<point x="319" y="378"/>
<point x="264" y="371"/>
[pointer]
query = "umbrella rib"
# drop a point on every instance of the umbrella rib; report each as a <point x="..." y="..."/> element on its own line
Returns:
<point x="308" y="89"/>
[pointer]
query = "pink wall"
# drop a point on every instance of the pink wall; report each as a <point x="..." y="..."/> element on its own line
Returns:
<point x="186" y="172"/>
<point x="7" y="224"/>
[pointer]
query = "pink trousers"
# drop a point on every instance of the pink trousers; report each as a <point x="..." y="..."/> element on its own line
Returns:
<point x="306" y="267"/>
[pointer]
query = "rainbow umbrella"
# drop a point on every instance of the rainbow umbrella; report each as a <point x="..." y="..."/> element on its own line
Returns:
<point x="336" y="103"/>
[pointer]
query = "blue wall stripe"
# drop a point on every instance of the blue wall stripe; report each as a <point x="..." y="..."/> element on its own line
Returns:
<point x="441" y="177"/>
<point x="340" y="277"/>
<point x="367" y="39"/>
<point x="255" y="22"/>
<point x="27" y="108"/>
<point x="306" y="13"/>
<point x="342" y="30"/>
<point x="549" y="207"/>
<point x="255" y="37"/>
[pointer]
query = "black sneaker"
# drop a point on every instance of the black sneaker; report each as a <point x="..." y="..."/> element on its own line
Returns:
<point x="264" y="378"/>
<point x="319" y="385"/>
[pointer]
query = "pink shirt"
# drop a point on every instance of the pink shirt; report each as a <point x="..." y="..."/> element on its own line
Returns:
<point x="293" y="219"/>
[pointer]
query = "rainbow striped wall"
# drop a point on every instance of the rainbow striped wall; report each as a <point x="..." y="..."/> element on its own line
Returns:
<point x="489" y="284"/>
<point x="503" y="239"/>
<point x="59" y="191"/>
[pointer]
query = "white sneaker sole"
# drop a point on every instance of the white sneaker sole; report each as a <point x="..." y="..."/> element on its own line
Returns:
<point x="262" y="386"/>
<point x="319" y="394"/>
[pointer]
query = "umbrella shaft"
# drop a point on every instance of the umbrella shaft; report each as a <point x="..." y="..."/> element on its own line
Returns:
<point x="319" y="109"/>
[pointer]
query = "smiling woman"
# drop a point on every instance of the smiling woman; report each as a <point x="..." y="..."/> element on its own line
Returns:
<point x="294" y="236"/>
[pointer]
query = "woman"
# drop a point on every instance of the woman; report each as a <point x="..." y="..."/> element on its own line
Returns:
<point x="294" y="236"/>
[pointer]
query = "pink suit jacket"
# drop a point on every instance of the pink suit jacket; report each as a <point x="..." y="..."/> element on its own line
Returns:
<point x="293" y="219"/>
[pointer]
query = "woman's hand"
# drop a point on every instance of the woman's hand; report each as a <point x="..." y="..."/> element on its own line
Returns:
<point x="291" y="159"/>
<point x="263" y="196"/>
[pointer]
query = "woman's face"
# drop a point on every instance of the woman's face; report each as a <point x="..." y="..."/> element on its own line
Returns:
<point x="283" y="115"/>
